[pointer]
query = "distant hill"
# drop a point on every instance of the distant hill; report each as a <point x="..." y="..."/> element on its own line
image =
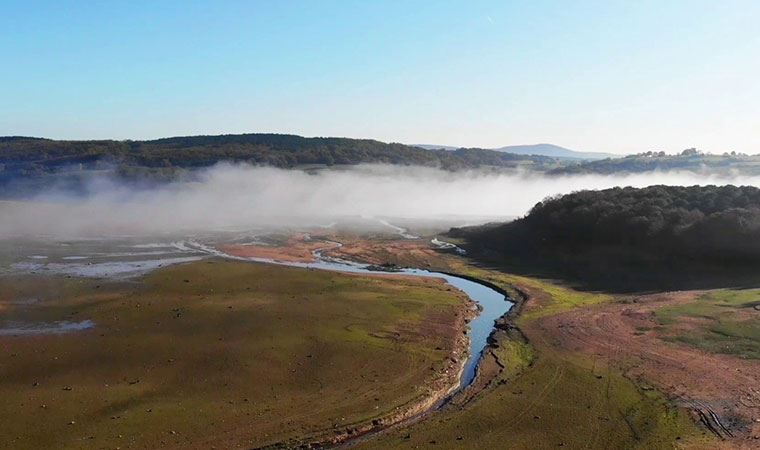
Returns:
<point x="554" y="151"/>
<point x="36" y="163"/>
<point x="690" y="160"/>
<point x="551" y="150"/>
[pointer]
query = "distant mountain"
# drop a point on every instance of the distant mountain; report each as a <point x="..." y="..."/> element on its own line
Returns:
<point x="554" y="151"/>
<point x="551" y="150"/>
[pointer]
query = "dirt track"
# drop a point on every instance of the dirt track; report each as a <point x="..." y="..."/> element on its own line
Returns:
<point x="723" y="390"/>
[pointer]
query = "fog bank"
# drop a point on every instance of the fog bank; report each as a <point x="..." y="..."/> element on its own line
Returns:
<point x="241" y="196"/>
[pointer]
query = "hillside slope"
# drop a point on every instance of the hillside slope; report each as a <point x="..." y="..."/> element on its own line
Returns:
<point x="35" y="162"/>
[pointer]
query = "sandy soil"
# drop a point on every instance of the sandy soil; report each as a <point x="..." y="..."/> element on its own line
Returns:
<point x="723" y="391"/>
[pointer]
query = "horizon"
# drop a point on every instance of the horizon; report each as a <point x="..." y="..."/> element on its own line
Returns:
<point x="421" y="145"/>
<point x="593" y="76"/>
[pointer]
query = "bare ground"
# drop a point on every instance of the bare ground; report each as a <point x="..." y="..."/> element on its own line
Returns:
<point x="721" y="389"/>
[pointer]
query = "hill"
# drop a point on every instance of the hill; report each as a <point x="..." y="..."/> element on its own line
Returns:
<point x="550" y="150"/>
<point x="659" y="237"/>
<point x="690" y="160"/>
<point x="29" y="164"/>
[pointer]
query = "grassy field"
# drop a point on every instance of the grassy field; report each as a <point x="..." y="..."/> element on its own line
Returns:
<point x="721" y="321"/>
<point x="217" y="354"/>
<point x="550" y="399"/>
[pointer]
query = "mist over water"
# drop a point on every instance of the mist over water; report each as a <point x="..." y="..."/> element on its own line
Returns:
<point x="241" y="196"/>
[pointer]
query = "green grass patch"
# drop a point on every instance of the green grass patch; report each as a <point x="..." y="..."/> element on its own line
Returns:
<point x="548" y="399"/>
<point x="557" y="298"/>
<point x="567" y="401"/>
<point x="728" y="322"/>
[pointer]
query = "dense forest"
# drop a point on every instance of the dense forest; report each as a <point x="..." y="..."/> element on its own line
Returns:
<point x="34" y="161"/>
<point x="626" y="238"/>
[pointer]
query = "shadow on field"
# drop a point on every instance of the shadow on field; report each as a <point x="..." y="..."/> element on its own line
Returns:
<point x="615" y="275"/>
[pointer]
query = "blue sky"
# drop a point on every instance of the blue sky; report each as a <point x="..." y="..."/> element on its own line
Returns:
<point x="617" y="76"/>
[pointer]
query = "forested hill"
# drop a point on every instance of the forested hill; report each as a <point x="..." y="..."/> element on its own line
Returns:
<point x="278" y="150"/>
<point x="689" y="160"/>
<point x="629" y="239"/>
<point x="33" y="163"/>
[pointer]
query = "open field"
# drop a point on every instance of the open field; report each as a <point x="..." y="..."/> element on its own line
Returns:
<point x="215" y="360"/>
<point x="548" y="396"/>
<point x="721" y="389"/>
<point x="617" y="370"/>
<point x="219" y="354"/>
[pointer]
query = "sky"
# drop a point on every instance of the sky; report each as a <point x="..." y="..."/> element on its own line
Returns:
<point x="607" y="75"/>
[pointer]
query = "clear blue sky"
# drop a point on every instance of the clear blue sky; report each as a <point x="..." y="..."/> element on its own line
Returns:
<point x="618" y="76"/>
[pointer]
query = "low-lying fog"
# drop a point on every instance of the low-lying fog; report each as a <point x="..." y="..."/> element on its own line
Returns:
<point x="241" y="196"/>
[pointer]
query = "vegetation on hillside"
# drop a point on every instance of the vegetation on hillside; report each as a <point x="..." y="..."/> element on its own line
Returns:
<point x="689" y="160"/>
<point x="655" y="237"/>
<point x="41" y="162"/>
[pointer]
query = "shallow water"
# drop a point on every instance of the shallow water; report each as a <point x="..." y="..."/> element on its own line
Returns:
<point x="26" y="329"/>
<point x="110" y="269"/>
